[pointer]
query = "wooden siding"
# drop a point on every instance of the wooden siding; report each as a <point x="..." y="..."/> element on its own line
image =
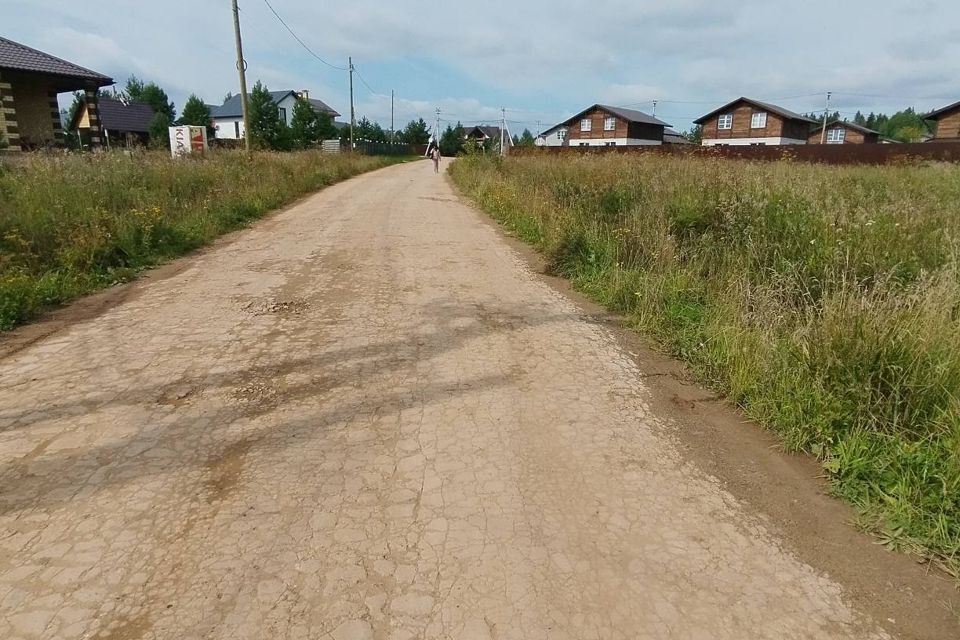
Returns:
<point x="852" y="136"/>
<point x="742" y="112"/>
<point x="948" y="125"/>
<point x="596" y="132"/>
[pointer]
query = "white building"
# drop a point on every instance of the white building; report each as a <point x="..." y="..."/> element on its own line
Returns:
<point x="228" y="117"/>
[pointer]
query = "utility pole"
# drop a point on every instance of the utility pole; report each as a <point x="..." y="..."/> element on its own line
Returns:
<point x="503" y="130"/>
<point x="353" y="117"/>
<point x="538" y="128"/>
<point x="242" y="69"/>
<point x="436" y="131"/>
<point x="654" y="114"/>
<point x="393" y="136"/>
<point x="826" y="113"/>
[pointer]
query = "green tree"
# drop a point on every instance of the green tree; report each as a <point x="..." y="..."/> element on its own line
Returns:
<point x="451" y="141"/>
<point x="151" y="94"/>
<point x="325" y="127"/>
<point x="526" y="139"/>
<point x="694" y="134"/>
<point x="160" y="131"/>
<point x="266" y="128"/>
<point x="197" y="113"/>
<point x="304" y="124"/>
<point x="906" y="125"/>
<point x="416" y="132"/>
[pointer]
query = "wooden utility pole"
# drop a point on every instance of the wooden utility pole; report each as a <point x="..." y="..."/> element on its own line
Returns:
<point x="823" y="132"/>
<point x="353" y="118"/>
<point x="393" y="136"/>
<point x="242" y="69"/>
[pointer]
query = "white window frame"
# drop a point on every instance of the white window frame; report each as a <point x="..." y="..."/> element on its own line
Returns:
<point x="612" y="143"/>
<point x="586" y="124"/>
<point x="725" y="122"/>
<point x="610" y="123"/>
<point x="758" y="120"/>
<point x="561" y="134"/>
<point x="837" y="135"/>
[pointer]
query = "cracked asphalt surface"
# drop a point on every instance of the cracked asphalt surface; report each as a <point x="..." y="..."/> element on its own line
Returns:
<point x="366" y="417"/>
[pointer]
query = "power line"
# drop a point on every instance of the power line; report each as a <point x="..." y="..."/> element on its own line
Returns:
<point x="297" y="38"/>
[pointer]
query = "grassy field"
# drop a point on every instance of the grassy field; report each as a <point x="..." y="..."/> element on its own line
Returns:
<point x="824" y="301"/>
<point x="70" y="225"/>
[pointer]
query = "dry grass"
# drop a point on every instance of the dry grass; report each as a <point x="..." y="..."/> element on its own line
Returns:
<point x="825" y="301"/>
<point x="72" y="224"/>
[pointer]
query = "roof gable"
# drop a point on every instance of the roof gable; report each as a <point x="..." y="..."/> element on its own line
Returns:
<point x="939" y="113"/>
<point x="119" y="115"/>
<point x="847" y="125"/>
<point x="772" y="108"/>
<point x="20" y="57"/>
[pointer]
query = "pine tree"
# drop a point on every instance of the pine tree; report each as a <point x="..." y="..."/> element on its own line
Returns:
<point x="526" y="139"/>
<point x="304" y="124"/>
<point x="451" y="141"/>
<point x="197" y="113"/>
<point x="266" y="129"/>
<point x="416" y="132"/>
<point x="151" y="94"/>
<point x="160" y="131"/>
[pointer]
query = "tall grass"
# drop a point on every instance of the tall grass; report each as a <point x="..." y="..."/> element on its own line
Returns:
<point x="824" y="301"/>
<point x="70" y="225"/>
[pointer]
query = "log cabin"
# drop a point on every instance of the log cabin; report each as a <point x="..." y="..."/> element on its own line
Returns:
<point x="750" y="122"/>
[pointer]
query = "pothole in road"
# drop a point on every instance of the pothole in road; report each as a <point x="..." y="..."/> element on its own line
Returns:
<point x="281" y="308"/>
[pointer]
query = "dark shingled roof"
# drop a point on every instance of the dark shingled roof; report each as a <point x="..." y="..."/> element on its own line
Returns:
<point x="786" y="113"/>
<point x="132" y="116"/>
<point x="233" y="109"/>
<point x="16" y="56"/>
<point x="933" y="115"/>
<point x="489" y="132"/>
<point x="630" y="115"/>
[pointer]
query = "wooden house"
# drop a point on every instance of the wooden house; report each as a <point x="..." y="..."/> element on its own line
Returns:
<point x="751" y="122"/>
<point x="947" y="122"/>
<point x="841" y="132"/>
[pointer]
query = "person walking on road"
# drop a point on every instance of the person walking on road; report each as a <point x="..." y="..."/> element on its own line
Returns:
<point x="435" y="156"/>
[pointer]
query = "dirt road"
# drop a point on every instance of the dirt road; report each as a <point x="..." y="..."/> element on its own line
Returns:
<point x="365" y="418"/>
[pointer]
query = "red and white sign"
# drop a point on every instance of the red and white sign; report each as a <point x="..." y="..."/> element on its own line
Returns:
<point x="185" y="140"/>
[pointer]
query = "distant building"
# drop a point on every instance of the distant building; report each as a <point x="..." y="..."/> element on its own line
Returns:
<point x="841" y="132"/>
<point x="124" y="123"/>
<point x="228" y="117"/>
<point x="604" y="125"/>
<point x="674" y="137"/>
<point x="480" y="135"/>
<point x="751" y="122"/>
<point x="947" y="123"/>
<point x="555" y="136"/>
<point x="29" y="83"/>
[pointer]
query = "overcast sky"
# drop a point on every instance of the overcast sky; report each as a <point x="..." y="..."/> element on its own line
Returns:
<point x="541" y="59"/>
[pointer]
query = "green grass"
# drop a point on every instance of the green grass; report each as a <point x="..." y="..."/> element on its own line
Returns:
<point x="824" y="301"/>
<point x="70" y="225"/>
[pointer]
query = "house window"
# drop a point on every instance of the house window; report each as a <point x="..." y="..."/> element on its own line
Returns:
<point x="610" y="144"/>
<point x="584" y="144"/>
<point x="758" y="120"/>
<point x="725" y="121"/>
<point x="836" y="136"/>
<point x="586" y="124"/>
<point x="283" y="114"/>
<point x="609" y="124"/>
<point x="562" y="134"/>
<point x="236" y="129"/>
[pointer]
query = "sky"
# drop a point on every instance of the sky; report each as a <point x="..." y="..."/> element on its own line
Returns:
<point x="541" y="60"/>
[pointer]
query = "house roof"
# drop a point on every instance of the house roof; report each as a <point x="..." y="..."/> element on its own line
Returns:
<point x="630" y="115"/>
<point x="115" y="115"/>
<point x="232" y="108"/>
<point x="848" y="125"/>
<point x="20" y="57"/>
<point x="935" y="115"/>
<point x="674" y="137"/>
<point x="488" y="132"/>
<point x="786" y="113"/>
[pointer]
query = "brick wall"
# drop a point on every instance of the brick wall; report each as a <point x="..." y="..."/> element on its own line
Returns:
<point x="10" y="131"/>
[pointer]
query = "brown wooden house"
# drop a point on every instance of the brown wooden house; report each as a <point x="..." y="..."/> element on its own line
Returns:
<point x="948" y="123"/>
<point x="29" y="83"/>
<point x="603" y="125"/>
<point x="841" y="132"/>
<point x="124" y="123"/>
<point x="751" y="122"/>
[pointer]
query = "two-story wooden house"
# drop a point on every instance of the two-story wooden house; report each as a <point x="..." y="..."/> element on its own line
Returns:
<point x="603" y="125"/>
<point x="745" y="122"/>
<point x="948" y="123"/>
<point x="841" y="132"/>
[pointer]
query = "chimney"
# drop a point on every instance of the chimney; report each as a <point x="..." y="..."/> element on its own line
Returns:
<point x="305" y="94"/>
